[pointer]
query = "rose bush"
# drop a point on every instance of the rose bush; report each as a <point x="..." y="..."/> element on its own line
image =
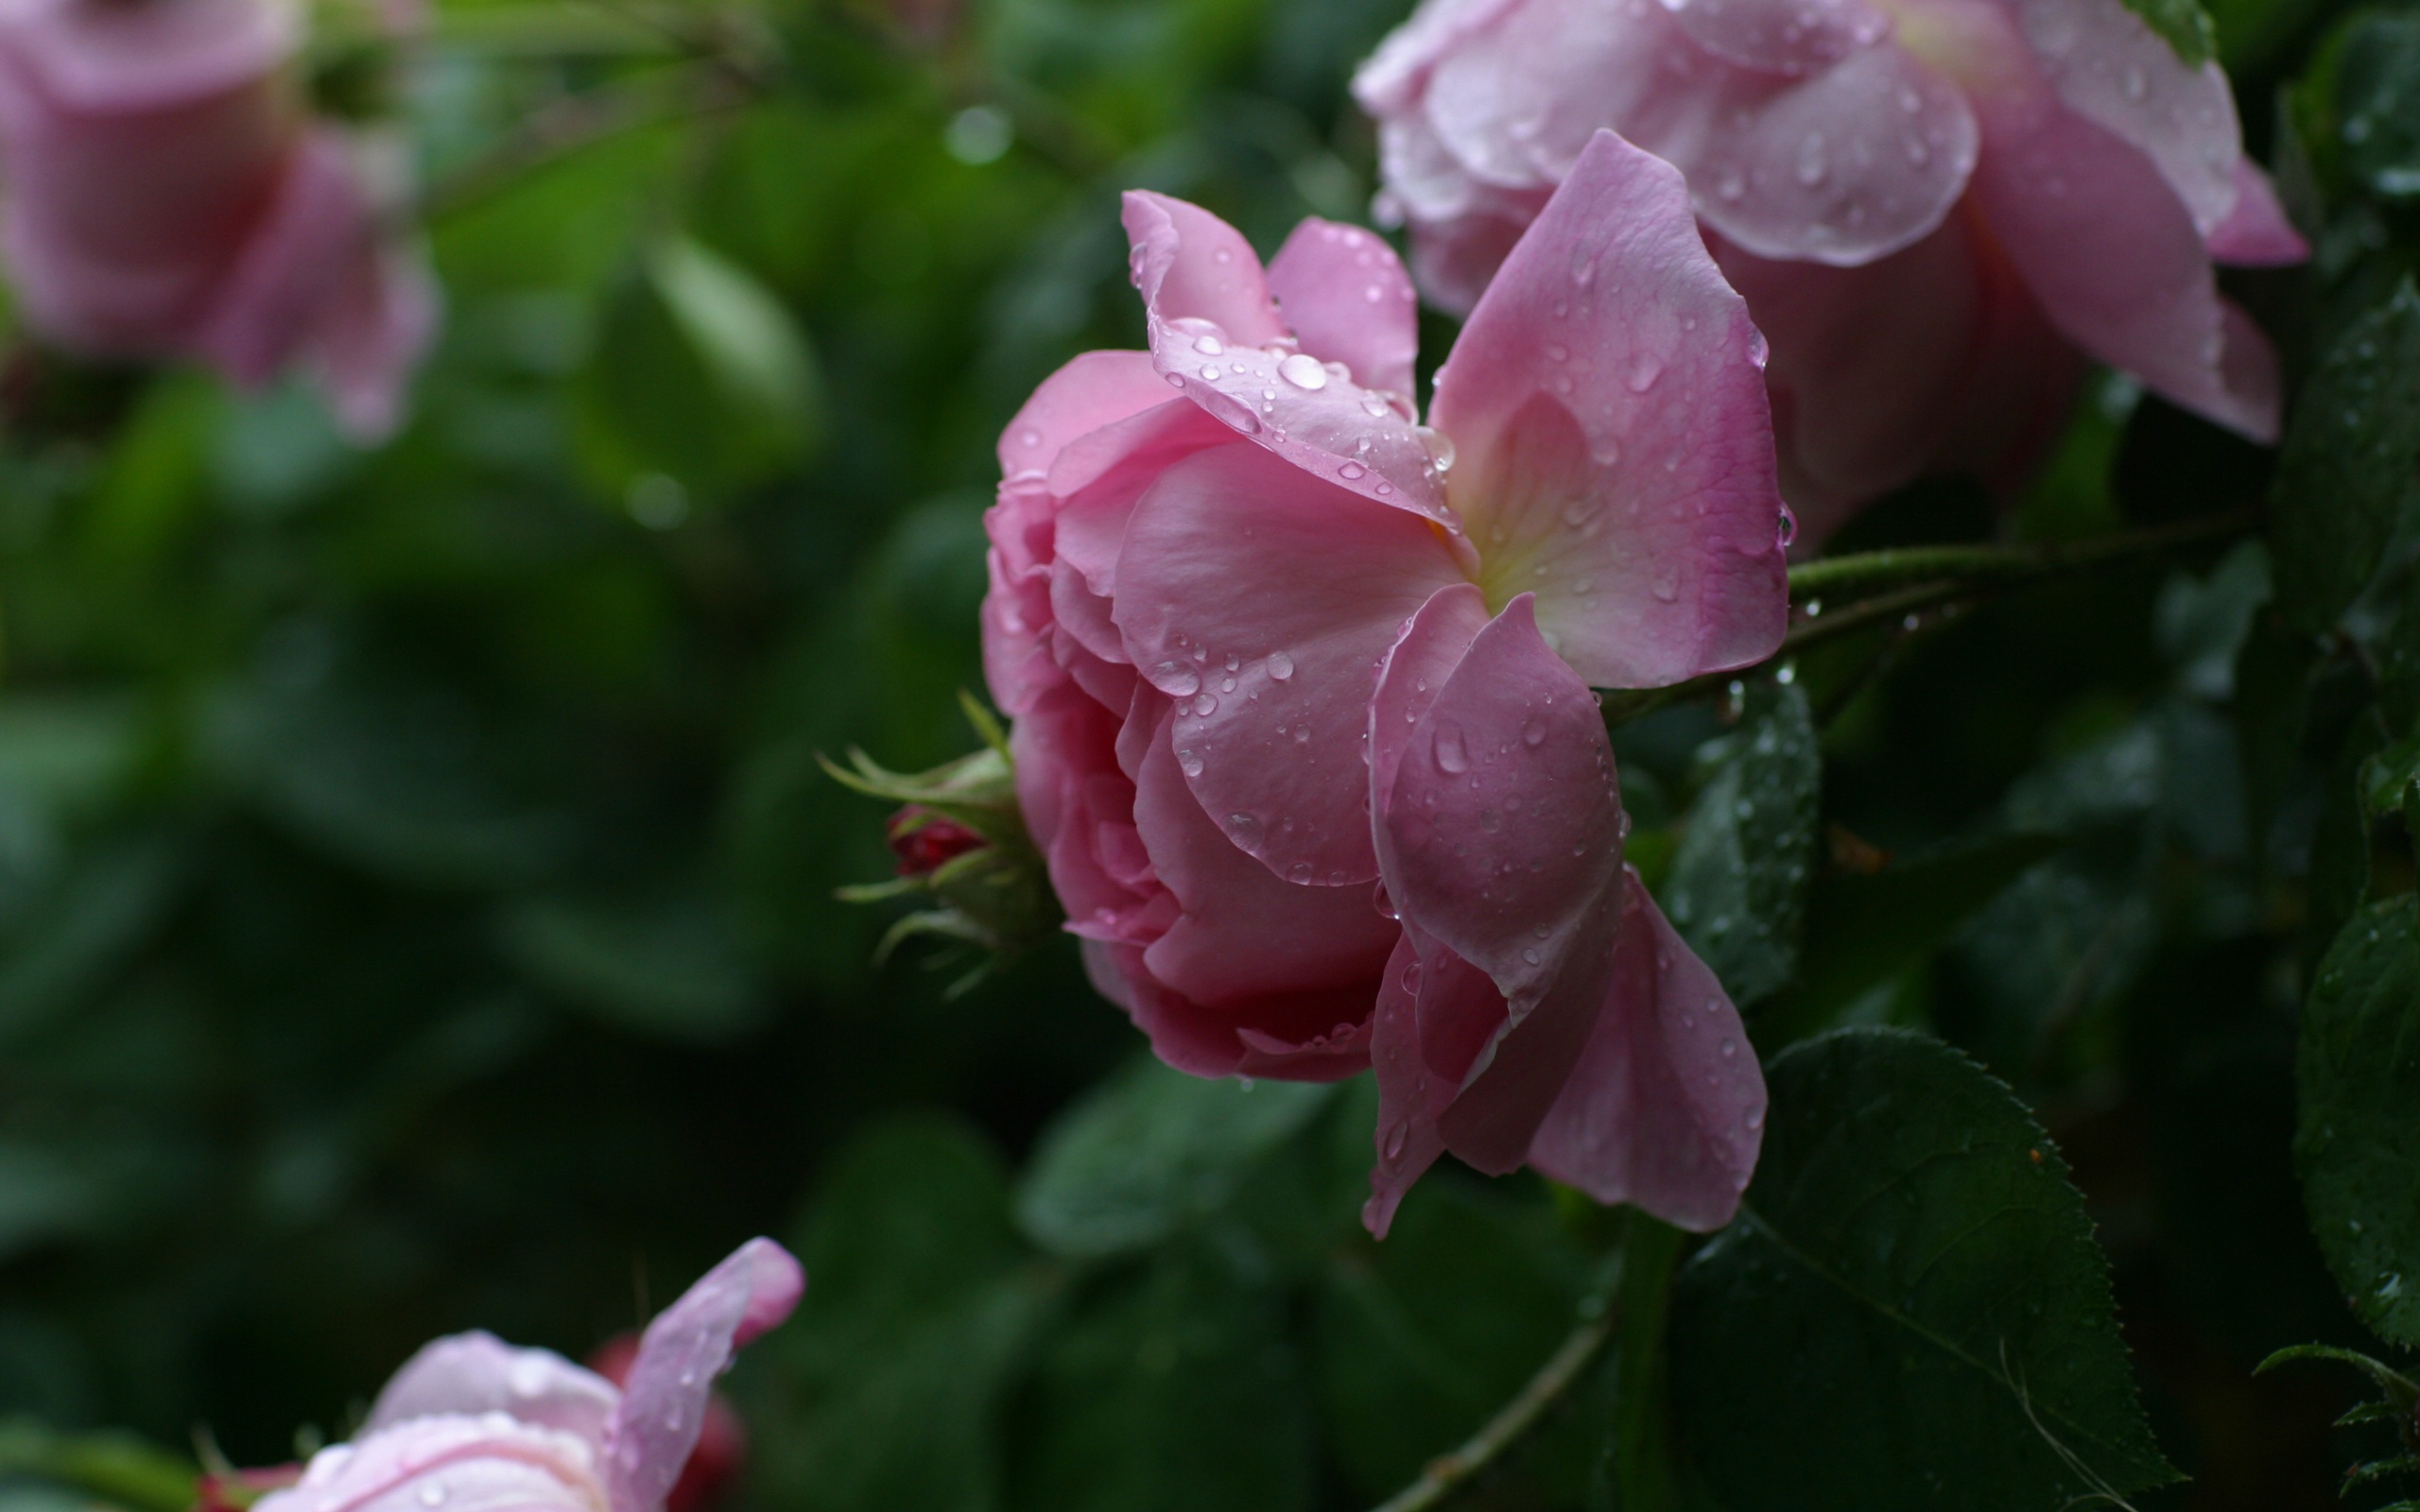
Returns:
<point x="1936" y="209"/>
<point x="169" y="195"/>
<point x="1303" y="724"/>
<point x="470" y="1422"/>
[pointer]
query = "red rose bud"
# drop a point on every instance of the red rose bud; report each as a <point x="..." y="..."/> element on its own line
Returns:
<point x="924" y="841"/>
<point x="722" y="1444"/>
<point x="236" y="1490"/>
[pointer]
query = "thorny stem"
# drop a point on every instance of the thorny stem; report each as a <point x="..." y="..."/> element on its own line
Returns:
<point x="1942" y="579"/>
<point x="1563" y="1370"/>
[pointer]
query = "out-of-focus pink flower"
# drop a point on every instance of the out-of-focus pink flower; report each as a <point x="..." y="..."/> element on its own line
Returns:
<point x="1933" y="207"/>
<point x="1304" y="726"/>
<point x="168" y="195"/>
<point x="472" y="1424"/>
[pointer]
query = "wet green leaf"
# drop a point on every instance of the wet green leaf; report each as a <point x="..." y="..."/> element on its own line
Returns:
<point x="2351" y="464"/>
<point x="1737" y="887"/>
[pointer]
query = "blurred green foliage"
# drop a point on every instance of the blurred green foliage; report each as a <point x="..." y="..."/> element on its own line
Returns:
<point x="417" y="875"/>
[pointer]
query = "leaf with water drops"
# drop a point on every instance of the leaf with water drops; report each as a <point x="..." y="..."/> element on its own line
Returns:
<point x="1910" y="1311"/>
<point x="1737" y="892"/>
<point x="2377" y="103"/>
<point x="1150" y="1150"/>
<point x="2182" y="25"/>
<point x="2359" y="1148"/>
<point x="2350" y="466"/>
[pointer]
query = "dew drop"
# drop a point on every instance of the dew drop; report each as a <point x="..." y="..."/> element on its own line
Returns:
<point x="1189" y="762"/>
<point x="1209" y="346"/>
<point x="1533" y="732"/>
<point x="1303" y="371"/>
<point x="1353" y="471"/>
<point x="1298" y="873"/>
<point x="433" y="1494"/>
<point x="1281" y="666"/>
<point x="1453" y="755"/>
<point x="1245" y="830"/>
<point x="1176" y="678"/>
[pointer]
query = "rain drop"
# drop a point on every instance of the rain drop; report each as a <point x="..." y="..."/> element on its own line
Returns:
<point x="1453" y="756"/>
<point x="1176" y="679"/>
<point x="1244" y="829"/>
<point x="1281" y="666"/>
<point x="1353" y="471"/>
<point x="1189" y="763"/>
<point x="1209" y="346"/>
<point x="1533" y="732"/>
<point x="1303" y="371"/>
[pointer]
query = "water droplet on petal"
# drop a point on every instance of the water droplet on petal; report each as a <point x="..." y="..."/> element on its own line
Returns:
<point x="1209" y="346"/>
<point x="1176" y="678"/>
<point x="1453" y="755"/>
<point x="1281" y="666"/>
<point x="1353" y="471"/>
<point x="1533" y="732"/>
<point x="1303" y="371"/>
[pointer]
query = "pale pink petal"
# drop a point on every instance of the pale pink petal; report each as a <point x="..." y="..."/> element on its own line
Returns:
<point x="1093" y="389"/>
<point x="372" y="336"/>
<point x="2108" y="66"/>
<point x="1456" y="257"/>
<point x="483" y="1462"/>
<point x="689" y="1344"/>
<point x="1347" y="297"/>
<point x="1411" y="1096"/>
<point x="2117" y="264"/>
<point x="1064" y="747"/>
<point x="1517" y="102"/>
<point x="1217" y="336"/>
<point x="1261" y="599"/>
<point x="474" y="1373"/>
<point x="1934" y="358"/>
<point x="1667" y="1107"/>
<point x="1017" y="665"/>
<point x="113" y="58"/>
<point x="1607" y="400"/>
<point x="1241" y="933"/>
<point x="292" y="266"/>
<point x="2256" y="233"/>
<point x="1392" y="76"/>
<point x="1501" y="830"/>
<point x="1842" y="166"/>
<point x="1791" y="37"/>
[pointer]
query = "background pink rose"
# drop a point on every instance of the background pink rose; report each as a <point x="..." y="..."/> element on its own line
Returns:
<point x="168" y="195"/>
<point x="1302" y="685"/>
<point x="472" y="1424"/>
<point x="1936" y="209"/>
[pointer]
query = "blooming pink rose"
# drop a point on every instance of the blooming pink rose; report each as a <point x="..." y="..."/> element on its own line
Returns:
<point x="1304" y="726"/>
<point x="472" y="1424"/>
<point x="168" y="196"/>
<point x="1934" y="208"/>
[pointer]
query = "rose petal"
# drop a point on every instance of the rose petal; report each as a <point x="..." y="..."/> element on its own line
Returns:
<point x="2107" y="66"/>
<point x="1240" y="932"/>
<point x="291" y="267"/>
<point x="1667" y="1107"/>
<point x="1392" y="76"/>
<point x="478" y="1372"/>
<point x="1608" y="401"/>
<point x="1093" y="389"/>
<point x="1213" y="342"/>
<point x="1793" y="37"/>
<point x="1347" y="297"/>
<point x="487" y="1463"/>
<point x="109" y="59"/>
<point x="1410" y="1094"/>
<point x="663" y="1403"/>
<point x="2256" y="233"/>
<point x="1261" y="599"/>
<point x="2117" y="264"/>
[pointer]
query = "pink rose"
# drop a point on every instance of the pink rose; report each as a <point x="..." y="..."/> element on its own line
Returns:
<point x="472" y="1424"/>
<point x="1304" y="727"/>
<point x="1934" y="208"/>
<point x="168" y="196"/>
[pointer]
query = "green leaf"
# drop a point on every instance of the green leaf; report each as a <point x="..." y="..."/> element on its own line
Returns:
<point x="749" y="341"/>
<point x="671" y="966"/>
<point x="1910" y="1311"/>
<point x="1864" y="930"/>
<point x="119" y="1468"/>
<point x="1150" y="1150"/>
<point x="1737" y="886"/>
<point x="2351" y="460"/>
<point x="2377" y="103"/>
<point x="2182" y="25"/>
<point x="1423" y="1338"/>
<point x="2359" y="1147"/>
<point x="1175" y="1391"/>
<point x="920" y="1304"/>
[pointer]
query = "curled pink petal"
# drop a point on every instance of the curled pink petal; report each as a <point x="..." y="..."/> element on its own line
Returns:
<point x="689" y="1344"/>
<point x="1608" y="402"/>
<point x="1217" y="337"/>
<point x="468" y="1374"/>
<point x="2256" y="233"/>
<point x="2118" y="265"/>
<point x="1411" y="1094"/>
<point x="1259" y="600"/>
<point x="292" y="266"/>
<point x="1347" y="297"/>
<point x="1667" y="1107"/>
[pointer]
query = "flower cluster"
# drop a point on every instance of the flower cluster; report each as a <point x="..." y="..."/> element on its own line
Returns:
<point x="1302" y="685"/>
<point x="1934" y="208"/>
<point x="169" y="195"/>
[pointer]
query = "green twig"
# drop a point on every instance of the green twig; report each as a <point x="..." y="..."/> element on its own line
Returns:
<point x="1936" y="578"/>
<point x="1563" y="1370"/>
